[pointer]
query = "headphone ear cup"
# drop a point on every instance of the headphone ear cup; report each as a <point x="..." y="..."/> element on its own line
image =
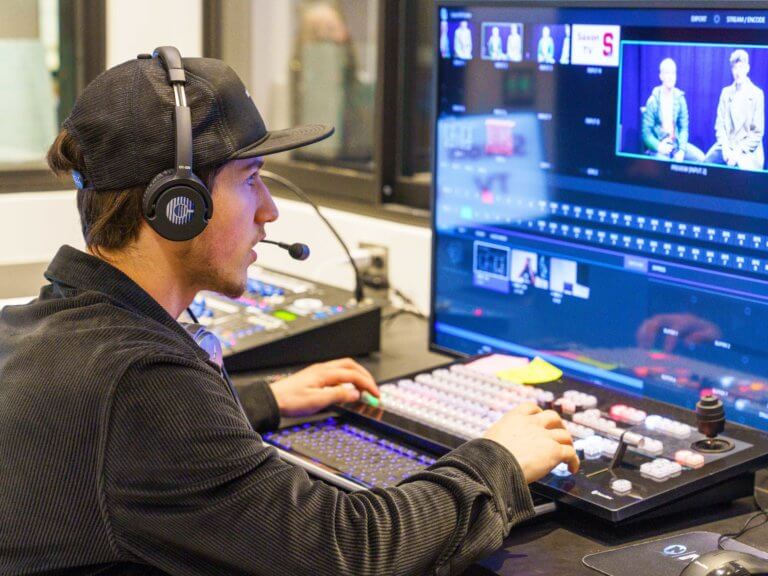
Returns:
<point x="177" y="208"/>
<point x="152" y="191"/>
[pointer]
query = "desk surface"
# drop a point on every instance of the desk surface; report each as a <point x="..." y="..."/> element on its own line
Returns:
<point x="554" y="544"/>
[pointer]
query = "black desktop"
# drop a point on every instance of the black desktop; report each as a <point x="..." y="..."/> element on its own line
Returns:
<point x="599" y="177"/>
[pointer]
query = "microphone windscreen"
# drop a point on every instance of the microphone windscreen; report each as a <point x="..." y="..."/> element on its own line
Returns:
<point x="299" y="251"/>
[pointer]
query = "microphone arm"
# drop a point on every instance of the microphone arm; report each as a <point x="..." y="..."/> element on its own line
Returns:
<point x="303" y="196"/>
<point x="297" y="250"/>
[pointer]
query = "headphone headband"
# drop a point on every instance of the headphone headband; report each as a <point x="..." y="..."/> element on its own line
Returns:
<point x="170" y="57"/>
<point x="177" y="203"/>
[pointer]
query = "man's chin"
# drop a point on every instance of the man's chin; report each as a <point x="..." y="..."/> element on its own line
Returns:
<point x="232" y="290"/>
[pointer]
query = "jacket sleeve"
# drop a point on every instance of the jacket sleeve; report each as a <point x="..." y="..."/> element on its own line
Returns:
<point x="189" y="487"/>
<point x="683" y="133"/>
<point x="260" y="406"/>
<point x="756" y="131"/>
<point x="720" y="129"/>
<point x="650" y="115"/>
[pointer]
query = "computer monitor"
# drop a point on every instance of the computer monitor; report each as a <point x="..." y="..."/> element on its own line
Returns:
<point x="601" y="193"/>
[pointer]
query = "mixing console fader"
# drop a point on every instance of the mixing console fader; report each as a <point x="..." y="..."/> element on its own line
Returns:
<point x="282" y="320"/>
<point x="640" y="457"/>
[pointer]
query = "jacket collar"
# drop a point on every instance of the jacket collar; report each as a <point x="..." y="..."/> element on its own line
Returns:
<point x="73" y="268"/>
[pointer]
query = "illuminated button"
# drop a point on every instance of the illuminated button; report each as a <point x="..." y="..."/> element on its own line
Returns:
<point x="593" y="448"/>
<point x="308" y="304"/>
<point x="370" y="399"/>
<point x="650" y="446"/>
<point x="609" y="447"/>
<point x="660" y="469"/>
<point x="689" y="459"/>
<point x="581" y="400"/>
<point x="667" y="426"/>
<point x="627" y="414"/>
<point x="621" y="486"/>
<point x="284" y="315"/>
<point x="577" y="430"/>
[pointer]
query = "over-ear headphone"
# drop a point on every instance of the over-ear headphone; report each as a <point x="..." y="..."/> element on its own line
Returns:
<point x="177" y="204"/>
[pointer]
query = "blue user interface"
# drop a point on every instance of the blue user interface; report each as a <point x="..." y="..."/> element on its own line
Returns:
<point x="600" y="187"/>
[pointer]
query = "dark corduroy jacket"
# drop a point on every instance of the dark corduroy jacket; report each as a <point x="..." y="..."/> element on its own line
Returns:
<point x="122" y="451"/>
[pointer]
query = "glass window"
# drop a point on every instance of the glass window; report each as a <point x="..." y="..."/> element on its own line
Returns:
<point x="29" y="85"/>
<point x="309" y="61"/>
<point x="416" y="137"/>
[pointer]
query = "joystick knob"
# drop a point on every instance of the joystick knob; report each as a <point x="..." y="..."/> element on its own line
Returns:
<point x="710" y="416"/>
<point x="710" y="420"/>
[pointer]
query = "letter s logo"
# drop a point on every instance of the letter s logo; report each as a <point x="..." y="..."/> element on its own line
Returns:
<point x="608" y="44"/>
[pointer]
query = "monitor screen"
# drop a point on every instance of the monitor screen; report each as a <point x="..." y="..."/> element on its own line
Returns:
<point x="601" y="194"/>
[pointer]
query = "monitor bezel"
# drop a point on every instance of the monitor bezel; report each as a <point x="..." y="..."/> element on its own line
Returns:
<point x="544" y="4"/>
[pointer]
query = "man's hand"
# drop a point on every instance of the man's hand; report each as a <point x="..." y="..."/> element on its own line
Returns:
<point x="687" y="328"/>
<point x="728" y="155"/>
<point x="666" y="147"/>
<point x="537" y="439"/>
<point x="320" y="385"/>
<point x="679" y="156"/>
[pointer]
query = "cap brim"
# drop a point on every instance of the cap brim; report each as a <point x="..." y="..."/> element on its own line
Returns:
<point x="288" y="139"/>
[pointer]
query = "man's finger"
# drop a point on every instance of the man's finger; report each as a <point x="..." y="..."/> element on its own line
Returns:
<point x="360" y="380"/>
<point x="526" y="408"/>
<point x="340" y="394"/>
<point x="550" y="419"/>
<point x="561" y="436"/>
<point x="350" y="364"/>
<point x="568" y="455"/>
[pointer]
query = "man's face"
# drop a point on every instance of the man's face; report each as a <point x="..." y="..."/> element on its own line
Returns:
<point x="219" y="258"/>
<point x="668" y="75"/>
<point x="545" y="32"/>
<point x="740" y="71"/>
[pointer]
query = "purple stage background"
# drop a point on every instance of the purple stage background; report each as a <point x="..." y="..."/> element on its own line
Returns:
<point x="505" y="29"/>
<point x="453" y="25"/>
<point x="533" y="34"/>
<point x="702" y="73"/>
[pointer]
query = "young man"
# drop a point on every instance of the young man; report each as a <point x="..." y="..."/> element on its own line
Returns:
<point x="740" y="124"/>
<point x="665" y="128"/>
<point x="122" y="449"/>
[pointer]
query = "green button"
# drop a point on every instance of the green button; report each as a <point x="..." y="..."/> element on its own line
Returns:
<point x="370" y="399"/>
<point x="284" y="315"/>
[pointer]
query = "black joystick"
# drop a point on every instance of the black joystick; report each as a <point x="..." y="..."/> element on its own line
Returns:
<point x="710" y="419"/>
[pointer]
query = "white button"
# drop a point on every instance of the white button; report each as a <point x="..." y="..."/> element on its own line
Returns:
<point x="308" y="304"/>
<point x="561" y="470"/>
<point x="621" y="486"/>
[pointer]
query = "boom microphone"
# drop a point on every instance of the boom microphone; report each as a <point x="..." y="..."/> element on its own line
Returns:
<point x="297" y="250"/>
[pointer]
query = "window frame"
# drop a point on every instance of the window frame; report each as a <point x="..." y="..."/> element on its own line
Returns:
<point x="83" y="57"/>
<point x="384" y="191"/>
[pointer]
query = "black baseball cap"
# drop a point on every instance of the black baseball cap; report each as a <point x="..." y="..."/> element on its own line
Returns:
<point x="124" y="124"/>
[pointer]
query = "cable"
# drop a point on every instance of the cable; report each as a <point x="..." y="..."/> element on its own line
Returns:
<point x="409" y="307"/>
<point x="303" y="196"/>
<point x="192" y="315"/>
<point x="746" y="528"/>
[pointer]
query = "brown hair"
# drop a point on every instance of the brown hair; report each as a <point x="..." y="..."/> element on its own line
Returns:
<point x="111" y="219"/>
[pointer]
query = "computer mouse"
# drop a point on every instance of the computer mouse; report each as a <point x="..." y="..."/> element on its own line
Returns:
<point x="726" y="563"/>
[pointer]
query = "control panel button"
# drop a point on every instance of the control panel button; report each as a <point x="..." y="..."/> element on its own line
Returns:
<point x="621" y="486"/>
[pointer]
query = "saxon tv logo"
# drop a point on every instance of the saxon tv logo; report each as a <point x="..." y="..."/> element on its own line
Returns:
<point x="596" y="45"/>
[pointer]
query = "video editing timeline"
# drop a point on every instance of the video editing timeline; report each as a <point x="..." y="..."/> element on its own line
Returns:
<point x="664" y="463"/>
<point x="282" y="320"/>
<point x="598" y="196"/>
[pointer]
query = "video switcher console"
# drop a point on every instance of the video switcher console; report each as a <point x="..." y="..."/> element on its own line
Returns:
<point x="639" y="457"/>
<point x="283" y="320"/>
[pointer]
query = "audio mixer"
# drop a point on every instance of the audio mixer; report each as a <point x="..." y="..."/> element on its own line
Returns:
<point x="283" y="320"/>
<point x="640" y="457"/>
